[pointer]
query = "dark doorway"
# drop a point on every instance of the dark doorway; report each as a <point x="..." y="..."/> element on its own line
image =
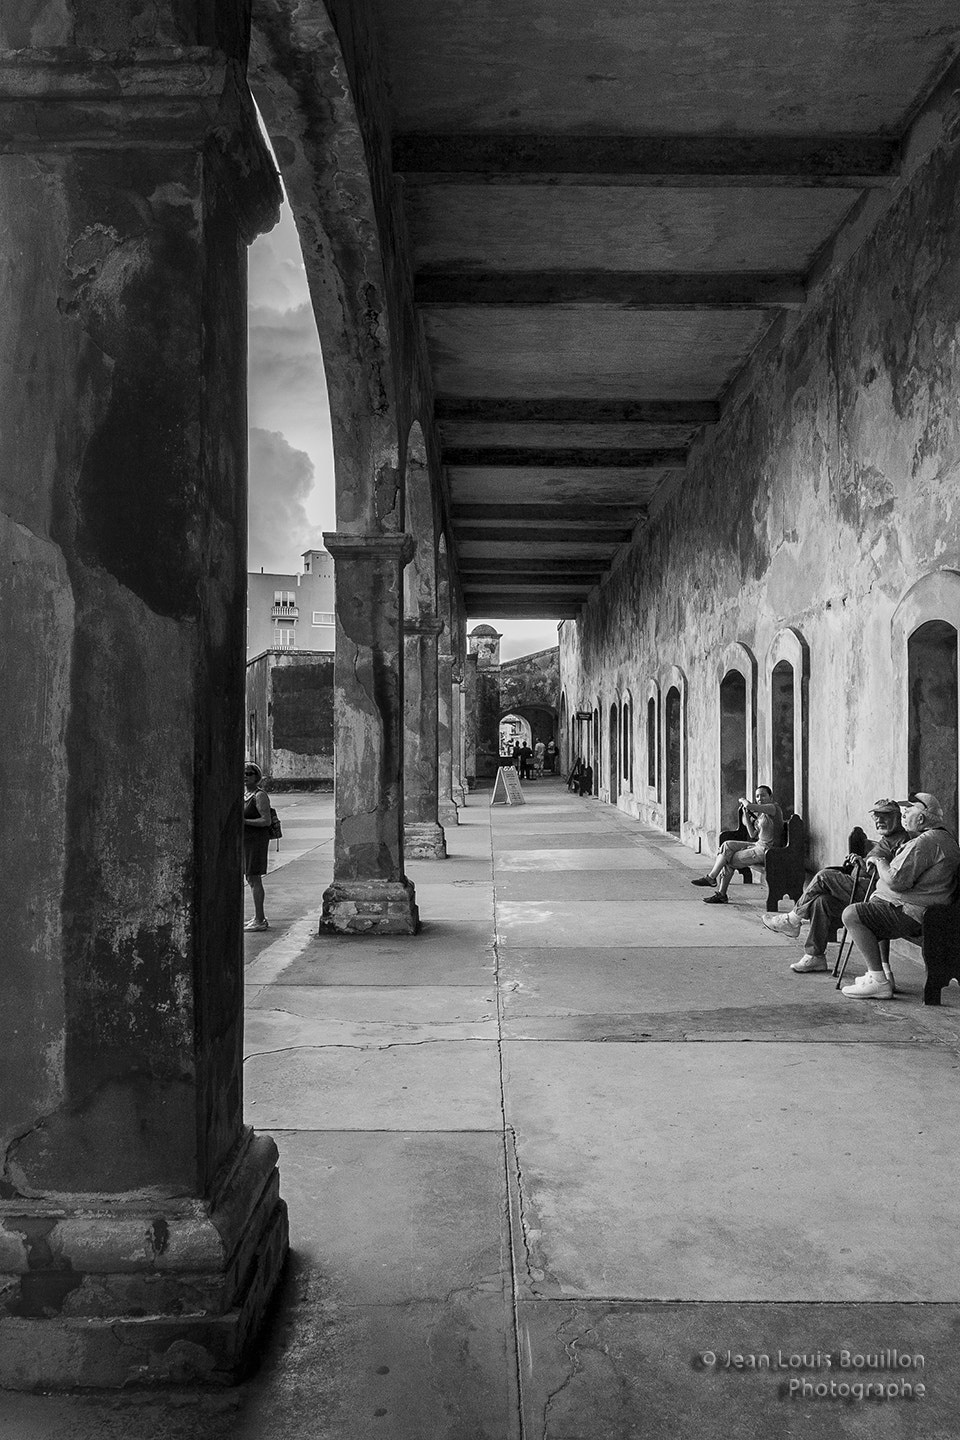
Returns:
<point x="733" y="745"/>
<point x="614" y="756"/>
<point x="782" y="730"/>
<point x="674" y="758"/>
<point x="932" y="760"/>
<point x="595" y="758"/>
<point x="627" y="746"/>
<point x="652" y="743"/>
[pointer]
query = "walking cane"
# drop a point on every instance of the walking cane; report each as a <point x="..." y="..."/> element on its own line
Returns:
<point x="839" y="968"/>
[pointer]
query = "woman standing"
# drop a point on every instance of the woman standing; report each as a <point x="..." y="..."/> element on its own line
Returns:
<point x="256" y="841"/>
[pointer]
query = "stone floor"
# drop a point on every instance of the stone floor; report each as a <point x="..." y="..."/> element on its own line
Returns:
<point x="555" y="1161"/>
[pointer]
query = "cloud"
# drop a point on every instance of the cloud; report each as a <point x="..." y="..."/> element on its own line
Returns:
<point x="281" y="479"/>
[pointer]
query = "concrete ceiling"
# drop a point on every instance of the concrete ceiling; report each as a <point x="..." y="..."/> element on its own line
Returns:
<point x="608" y="207"/>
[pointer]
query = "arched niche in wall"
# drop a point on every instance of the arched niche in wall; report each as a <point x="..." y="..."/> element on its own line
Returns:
<point x="788" y="684"/>
<point x="613" y="754"/>
<point x="925" y="630"/>
<point x="595" y="748"/>
<point x="737" y="730"/>
<point x="563" y="738"/>
<point x="626" y="764"/>
<point x="652" y="724"/>
<point x="674" y="687"/>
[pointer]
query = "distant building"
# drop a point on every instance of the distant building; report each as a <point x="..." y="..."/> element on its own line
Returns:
<point x="292" y="612"/>
<point x="290" y="717"/>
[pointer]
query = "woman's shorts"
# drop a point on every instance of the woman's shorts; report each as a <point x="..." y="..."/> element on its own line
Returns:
<point x="741" y="853"/>
<point x="888" y="921"/>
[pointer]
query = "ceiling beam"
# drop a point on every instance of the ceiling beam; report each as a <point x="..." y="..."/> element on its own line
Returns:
<point x="506" y="457"/>
<point x="520" y="585"/>
<point x="500" y="410"/>
<point x="548" y="533"/>
<point x="704" y="160"/>
<point x="527" y="565"/>
<point x="618" y="290"/>
<point x="536" y="513"/>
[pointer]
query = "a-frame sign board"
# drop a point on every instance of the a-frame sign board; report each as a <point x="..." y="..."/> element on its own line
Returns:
<point x="506" y="787"/>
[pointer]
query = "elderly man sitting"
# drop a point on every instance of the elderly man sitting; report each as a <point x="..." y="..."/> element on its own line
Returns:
<point x="922" y="873"/>
<point x="831" y="889"/>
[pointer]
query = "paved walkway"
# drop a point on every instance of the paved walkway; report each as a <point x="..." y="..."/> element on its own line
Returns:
<point x="579" y="1133"/>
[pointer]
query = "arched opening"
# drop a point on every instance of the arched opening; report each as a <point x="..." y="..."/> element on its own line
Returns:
<point x="783" y="735"/>
<point x="514" y="730"/>
<point x="614" y="753"/>
<point x="733" y="745"/>
<point x="595" y="754"/>
<point x="932" y="749"/>
<point x="627" y="746"/>
<point x="674" y="759"/>
<point x="564" y="760"/>
<point x="653" y="746"/>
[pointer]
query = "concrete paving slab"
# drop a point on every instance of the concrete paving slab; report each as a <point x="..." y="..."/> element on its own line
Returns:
<point x="701" y="994"/>
<point x="662" y="923"/>
<point x="391" y="1218"/>
<point x="744" y="1173"/>
<point x="608" y="1371"/>
<point x="588" y="885"/>
<point x="283" y="1016"/>
<point x="567" y="857"/>
<point x="581" y="838"/>
<point x="446" y="952"/>
<point x="439" y="1085"/>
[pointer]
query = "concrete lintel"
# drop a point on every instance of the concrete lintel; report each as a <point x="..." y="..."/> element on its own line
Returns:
<point x="574" y="410"/>
<point x="580" y="458"/>
<point x="847" y="161"/>
<point x="370" y="907"/>
<point x="615" y="290"/>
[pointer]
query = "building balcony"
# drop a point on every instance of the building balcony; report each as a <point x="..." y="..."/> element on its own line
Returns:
<point x="285" y="612"/>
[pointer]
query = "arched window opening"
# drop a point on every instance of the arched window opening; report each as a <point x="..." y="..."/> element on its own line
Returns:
<point x="932" y="748"/>
<point x="674" y="759"/>
<point x="613" y="756"/>
<point x="652" y="745"/>
<point x="782" y="732"/>
<point x="733" y="745"/>
<point x="595" y="757"/>
<point x="514" y="730"/>
<point x="627" y="747"/>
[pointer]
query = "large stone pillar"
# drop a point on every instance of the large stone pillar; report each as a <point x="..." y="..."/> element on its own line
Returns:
<point x="447" y="812"/>
<point x="469" y="694"/>
<point x="423" y="834"/>
<point x="370" y="893"/>
<point x="141" y="1230"/>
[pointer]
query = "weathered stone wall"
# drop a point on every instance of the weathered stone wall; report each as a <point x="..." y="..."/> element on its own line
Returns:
<point x="290" y="714"/>
<point x="828" y="490"/>
<point x="531" y="680"/>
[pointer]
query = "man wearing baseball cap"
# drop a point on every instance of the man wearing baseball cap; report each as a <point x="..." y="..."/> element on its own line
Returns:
<point x="922" y="873"/>
<point x="823" y="900"/>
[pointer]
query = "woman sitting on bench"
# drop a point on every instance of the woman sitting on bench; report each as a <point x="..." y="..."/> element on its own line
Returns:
<point x="764" y="821"/>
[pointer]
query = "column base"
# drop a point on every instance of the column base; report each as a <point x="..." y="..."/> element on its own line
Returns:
<point x="460" y="794"/>
<point x="448" y="814"/>
<point x="141" y="1293"/>
<point x="370" y="907"/>
<point x="424" y="840"/>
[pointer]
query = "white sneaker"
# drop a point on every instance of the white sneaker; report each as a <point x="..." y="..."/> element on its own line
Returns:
<point x="257" y="925"/>
<point x="782" y="925"/>
<point x="869" y="987"/>
<point x="809" y="964"/>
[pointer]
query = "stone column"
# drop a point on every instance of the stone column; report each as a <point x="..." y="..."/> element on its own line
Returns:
<point x="447" y="812"/>
<point x="370" y="893"/>
<point x="469" y="691"/>
<point x="141" y="1230"/>
<point x="460" y="788"/>
<point x="423" y="834"/>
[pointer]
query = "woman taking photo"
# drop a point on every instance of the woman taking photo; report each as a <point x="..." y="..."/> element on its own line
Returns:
<point x="256" y="841"/>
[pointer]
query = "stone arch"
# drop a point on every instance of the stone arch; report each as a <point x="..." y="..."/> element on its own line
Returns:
<point x="317" y="137"/>
<point x="596" y="751"/>
<point x="563" y="738"/>
<point x="652" y="742"/>
<point x="787" y="678"/>
<point x="613" y="752"/>
<point x="736" y="674"/>
<point x="627" y="741"/>
<point x="674" y="748"/>
<point x="420" y="514"/>
<point x="924" y="634"/>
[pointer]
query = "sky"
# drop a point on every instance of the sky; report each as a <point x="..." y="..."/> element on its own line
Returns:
<point x="291" y="454"/>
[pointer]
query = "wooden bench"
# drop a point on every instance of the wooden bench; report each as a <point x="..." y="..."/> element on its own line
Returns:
<point x="939" y="942"/>
<point x="783" y="864"/>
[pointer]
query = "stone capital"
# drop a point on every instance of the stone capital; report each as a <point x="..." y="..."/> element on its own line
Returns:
<point x="394" y="545"/>
<point x="422" y="625"/>
<point x="190" y="99"/>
